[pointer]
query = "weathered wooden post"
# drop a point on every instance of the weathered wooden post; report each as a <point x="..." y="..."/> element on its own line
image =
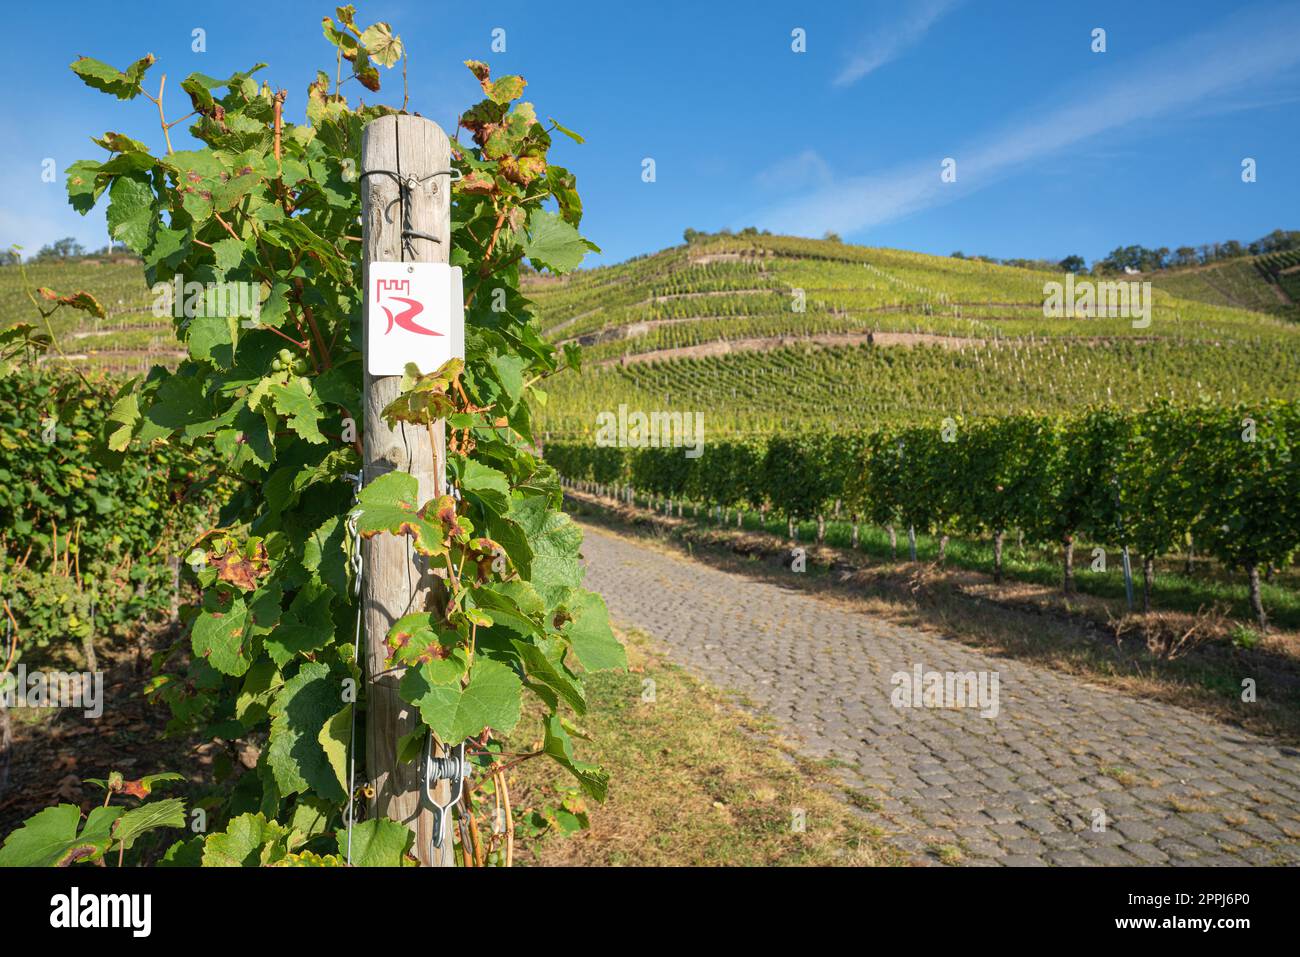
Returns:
<point x="395" y="580"/>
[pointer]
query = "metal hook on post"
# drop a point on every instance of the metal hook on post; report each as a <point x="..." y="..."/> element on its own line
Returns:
<point x="454" y="768"/>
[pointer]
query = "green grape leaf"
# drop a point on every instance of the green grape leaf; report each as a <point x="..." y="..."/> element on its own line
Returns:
<point x="228" y="253"/>
<point x="589" y="634"/>
<point x="323" y="553"/>
<point x="302" y="409"/>
<point x="311" y="816"/>
<point x="184" y="853"/>
<point x="484" y="484"/>
<point x="125" y="415"/>
<point x="148" y="817"/>
<point x="131" y="211"/>
<point x="566" y="131"/>
<point x="250" y="840"/>
<point x="261" y="683"/>
<point x="390" y="504"/>
<point x="212" y="338"/>
<point x="125" y="85"/>
<point x="306" y="626"/>
<point x="378" y="842"/>
<point x="501" y="602"/>
<point x="302" y="707"/>
<point x="50" y="837"/>
<point x="507" y="533"/>
<point x="491" y="700"/>
<point x="544" y="665"/>
<point x="218" y="633"/>
<point x="593" y="779"/>
<point x="555" y="541"/>
<point x="85" y="185"/>
<point x="554" y="244"/>
<point x="334" y="739"/>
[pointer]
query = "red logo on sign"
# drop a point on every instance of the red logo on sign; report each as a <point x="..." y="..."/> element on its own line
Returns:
<point x="406" y="318"/>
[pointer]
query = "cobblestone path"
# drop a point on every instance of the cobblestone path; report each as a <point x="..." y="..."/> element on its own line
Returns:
<point x="1026" y="786"/>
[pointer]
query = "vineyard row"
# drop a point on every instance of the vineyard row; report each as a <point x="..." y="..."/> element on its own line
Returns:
<point x="1224" y="477"/>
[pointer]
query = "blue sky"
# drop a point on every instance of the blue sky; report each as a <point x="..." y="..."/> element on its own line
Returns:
<point x="1058" y="149"/>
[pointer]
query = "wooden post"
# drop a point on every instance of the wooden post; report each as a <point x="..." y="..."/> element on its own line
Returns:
<point x="395" y="581"/>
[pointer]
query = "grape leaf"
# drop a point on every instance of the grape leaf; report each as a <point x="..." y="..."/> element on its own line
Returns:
<point x="298" y="762"/>
<point x="555" y="541"/>
<point x="334" y="739"/>
<point x="383" y="47"/>
<point x="484" y="484"/>
<point x="589" y="633"/>
<point x="50" y="838"/>
<point x="389" y="504"/>
<point x="148" y="817"/>
<point x="250" y="840"/>
<point x="306" y="626"/>
<point x="125" y="85"/>
<point x="543" y="664"/>
<point x="491" y="700"/>
<point x="323" y="553"/>
<point x="378" y="842"/>
<point x="302" y="409"/>
<point x="228" y="253"/>
<point x="85" y="184"/>
<point x="131" y="211"/>
<point x="218" y="633"/>
<point x="125" y="414"/>
<point x="593" y="779"/>
<point x="82" y="301"/>
<point x="553" y="244"/>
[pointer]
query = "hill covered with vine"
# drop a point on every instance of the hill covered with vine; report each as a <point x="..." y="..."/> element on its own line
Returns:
<point x="761" y="331"/>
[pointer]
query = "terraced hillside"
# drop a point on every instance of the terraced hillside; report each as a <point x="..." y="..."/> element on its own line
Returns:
<point x="882" y="335"/>
<point x="1269" y="283"/>
<point x="129" y="340"/>
<point x="760" y="331"/>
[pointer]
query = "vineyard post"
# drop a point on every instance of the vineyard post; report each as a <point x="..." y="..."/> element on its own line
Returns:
<point x="174" y="612"/>
<point x="1128" y="578"/>
<point x="394" y="582"/>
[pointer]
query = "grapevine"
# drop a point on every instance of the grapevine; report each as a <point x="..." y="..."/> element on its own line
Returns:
<point x="272" y="203"/>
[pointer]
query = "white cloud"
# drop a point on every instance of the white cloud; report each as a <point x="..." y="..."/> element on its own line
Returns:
<point x="887" y="43"/>
<point x="803" y="171"/>
<point x="1181" y="78"/>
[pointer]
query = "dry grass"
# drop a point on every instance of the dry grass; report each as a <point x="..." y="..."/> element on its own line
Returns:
<point x="1171" y="636"/>
<point x="695" y="780"/>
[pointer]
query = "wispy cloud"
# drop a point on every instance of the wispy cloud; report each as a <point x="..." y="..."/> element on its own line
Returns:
<point x="893" y="38"/>
<point x="806" y="170"/>
<point x="1212" y="68"/>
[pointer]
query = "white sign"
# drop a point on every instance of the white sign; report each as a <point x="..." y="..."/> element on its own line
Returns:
<point x="417" y="314"/>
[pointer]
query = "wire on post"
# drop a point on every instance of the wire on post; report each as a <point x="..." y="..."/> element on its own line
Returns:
<point x="405" y="185"/>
